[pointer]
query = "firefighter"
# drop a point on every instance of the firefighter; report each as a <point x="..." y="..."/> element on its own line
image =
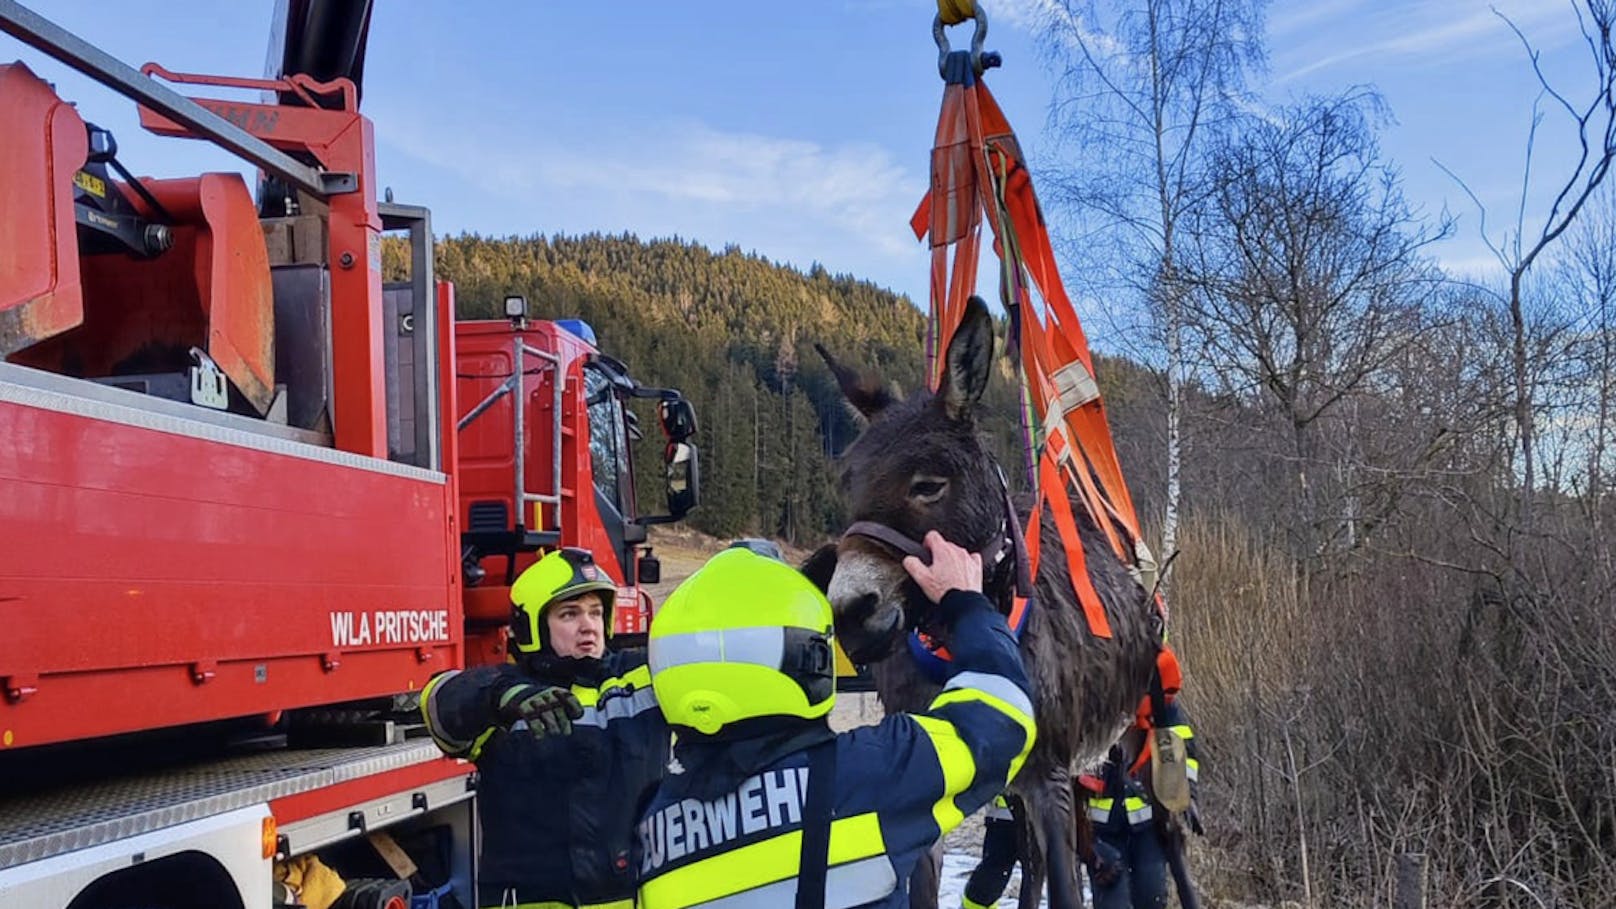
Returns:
<point x="764" y="799"/>
<point x="566" y="735"/>
<point x="1137" y="843"/>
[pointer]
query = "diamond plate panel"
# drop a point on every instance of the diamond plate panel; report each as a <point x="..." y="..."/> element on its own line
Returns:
<point x="39" y="826"/>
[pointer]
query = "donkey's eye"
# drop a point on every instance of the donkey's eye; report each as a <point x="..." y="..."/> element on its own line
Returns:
<point x="928" y="489"/>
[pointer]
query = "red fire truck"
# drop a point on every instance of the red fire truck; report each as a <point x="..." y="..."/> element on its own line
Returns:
<point x="252" y="496"/>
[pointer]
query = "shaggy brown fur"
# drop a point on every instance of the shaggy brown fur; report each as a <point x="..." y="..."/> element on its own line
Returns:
<point x="919" y="466"/>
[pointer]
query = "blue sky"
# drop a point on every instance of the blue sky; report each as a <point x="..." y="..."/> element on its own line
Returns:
<point x="800" y="131"/>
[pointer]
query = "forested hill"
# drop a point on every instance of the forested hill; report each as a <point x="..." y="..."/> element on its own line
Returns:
<point x="734" y="332"/>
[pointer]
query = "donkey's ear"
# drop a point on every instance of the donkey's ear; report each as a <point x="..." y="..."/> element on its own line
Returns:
<point x="968" y="361"/>
<point x="867" y="397"/>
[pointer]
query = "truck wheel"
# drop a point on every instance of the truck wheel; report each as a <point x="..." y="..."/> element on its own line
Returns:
<point x="152" y="885"/>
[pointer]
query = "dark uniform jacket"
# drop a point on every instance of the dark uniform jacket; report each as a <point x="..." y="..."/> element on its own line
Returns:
<point x="557" y="813"/>
<point x="898" y="787"/>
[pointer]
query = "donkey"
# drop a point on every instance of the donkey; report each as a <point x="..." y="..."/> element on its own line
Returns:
<point x="919" y="465"/>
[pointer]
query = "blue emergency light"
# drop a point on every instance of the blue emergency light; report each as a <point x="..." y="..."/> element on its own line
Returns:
<point x="580" y="329"/>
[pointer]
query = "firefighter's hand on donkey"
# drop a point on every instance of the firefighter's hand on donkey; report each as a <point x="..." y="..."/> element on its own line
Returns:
<point x="951" y="568"/>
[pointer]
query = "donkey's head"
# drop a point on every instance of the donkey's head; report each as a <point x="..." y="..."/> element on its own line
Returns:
<point x="918" y="466"/>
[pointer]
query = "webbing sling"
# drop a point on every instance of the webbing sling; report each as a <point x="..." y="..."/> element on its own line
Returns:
<point x="817" y="810"/>
<point x="978" y="174"/>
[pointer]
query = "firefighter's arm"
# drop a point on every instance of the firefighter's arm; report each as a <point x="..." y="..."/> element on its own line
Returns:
<point x="458" y="708"/>
<point x="462" y="710"/>
<point x="1176" y="719"/>
<point x="1192" y="754"/>
<point x="981" y="727"/>
<point x="941" y="764"/>
<point x="1192" y="766"/>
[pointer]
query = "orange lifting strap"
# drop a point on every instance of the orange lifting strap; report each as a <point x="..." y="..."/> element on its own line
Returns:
<point x="978" y="173"/>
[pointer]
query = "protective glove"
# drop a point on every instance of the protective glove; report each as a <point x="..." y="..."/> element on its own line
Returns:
<point x="548" y="710"/>
<point x="311" y="882"/>
<point x="1107" y="868"/>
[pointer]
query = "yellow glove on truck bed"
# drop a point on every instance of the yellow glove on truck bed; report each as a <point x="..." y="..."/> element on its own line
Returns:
<point x="315" y="885"/>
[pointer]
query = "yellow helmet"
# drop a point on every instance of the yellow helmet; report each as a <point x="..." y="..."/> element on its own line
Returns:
<point x="560" y="575"/>
<point x="743" y="638"/>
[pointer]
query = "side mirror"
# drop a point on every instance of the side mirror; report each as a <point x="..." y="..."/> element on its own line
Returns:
<point x="678" y="419"/>
<point x="684" y="478"/>
<point x="650" y="568"/>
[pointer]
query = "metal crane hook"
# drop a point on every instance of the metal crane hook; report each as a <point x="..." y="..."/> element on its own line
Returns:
<point x="980" y="61"/>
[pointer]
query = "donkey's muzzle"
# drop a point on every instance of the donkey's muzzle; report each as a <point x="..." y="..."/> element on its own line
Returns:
<point x="871" y="643"/>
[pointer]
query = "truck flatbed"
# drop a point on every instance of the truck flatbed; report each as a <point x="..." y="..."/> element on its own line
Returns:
<point x="63" y="819"/>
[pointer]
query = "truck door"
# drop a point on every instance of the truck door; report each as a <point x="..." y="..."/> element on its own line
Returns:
<point x="610" y="466"/>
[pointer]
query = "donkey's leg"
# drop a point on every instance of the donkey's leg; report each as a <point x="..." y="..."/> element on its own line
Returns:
<point x="1030" y="850"/>
<point x="924" y="881"/>
<point x="1031" y="892"/>
<point x="1053" y="815"/>
<point x="1032" y="888"/>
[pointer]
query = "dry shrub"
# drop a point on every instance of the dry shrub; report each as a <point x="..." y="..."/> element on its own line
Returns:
<point x="1394" y="705"/>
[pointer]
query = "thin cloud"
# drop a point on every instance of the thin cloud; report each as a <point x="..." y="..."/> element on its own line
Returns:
<point x="1050" y="20"/>
<point x="857" y="188"/>
<point x="1471" y="265"/>
<point x="1298" y="17"/>
<point x="1026" y="15"/>
<point x="1045" y="20"/>
<point x="1432" y="31"/>
<point x="792" y="198"/>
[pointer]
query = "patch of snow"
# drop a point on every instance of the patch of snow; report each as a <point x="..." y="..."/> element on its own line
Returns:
<point x="957" y="868"/>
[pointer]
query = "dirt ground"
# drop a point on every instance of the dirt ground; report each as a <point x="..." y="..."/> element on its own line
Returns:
<point x="683" y="550"/>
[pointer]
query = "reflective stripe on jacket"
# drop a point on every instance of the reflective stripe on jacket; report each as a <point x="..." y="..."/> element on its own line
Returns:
<point x="557" y="813"/>
<point x="1135" y="808"/>
<point x="899" y="786"/>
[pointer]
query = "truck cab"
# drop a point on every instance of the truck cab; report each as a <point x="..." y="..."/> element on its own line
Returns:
<point x="546" y="458"/>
